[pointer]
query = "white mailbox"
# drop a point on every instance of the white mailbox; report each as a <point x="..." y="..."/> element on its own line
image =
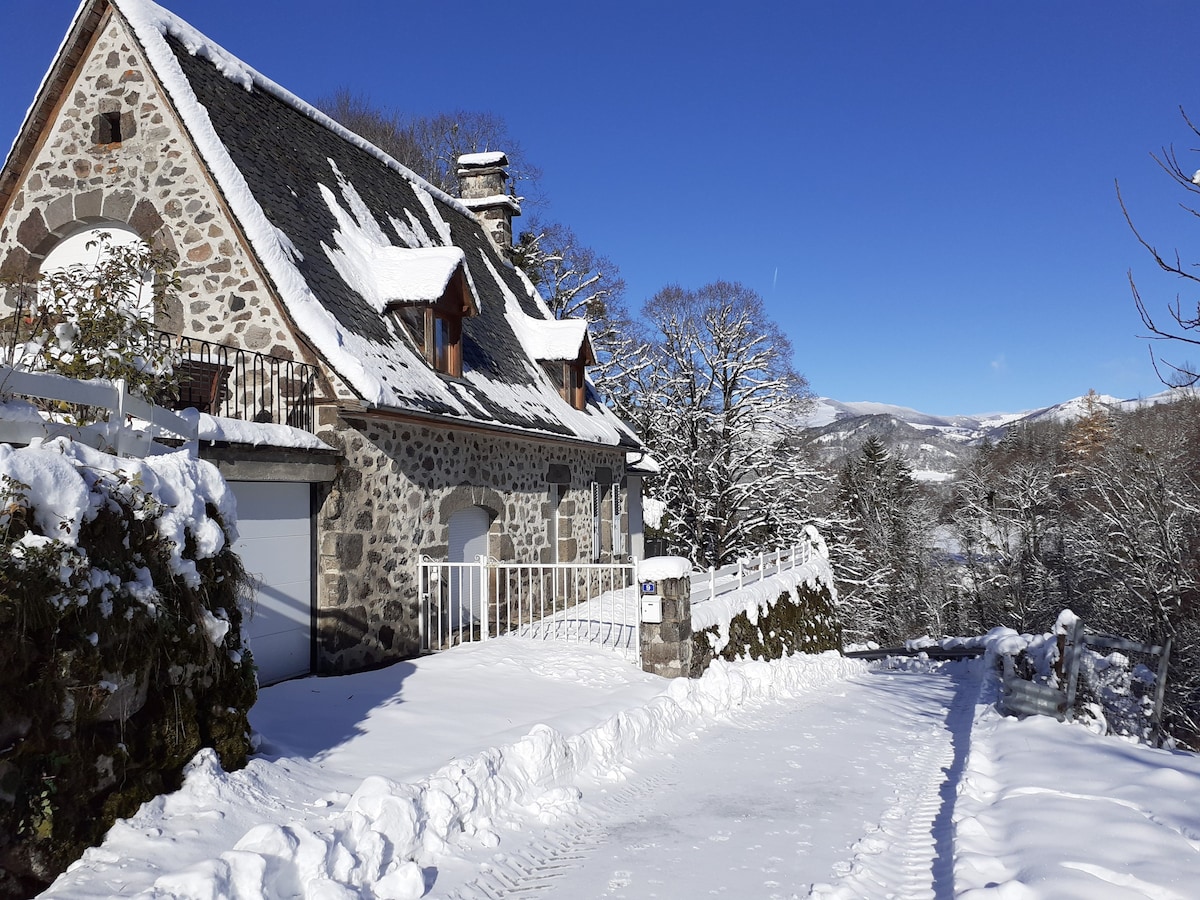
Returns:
<point x="652" y="609"/>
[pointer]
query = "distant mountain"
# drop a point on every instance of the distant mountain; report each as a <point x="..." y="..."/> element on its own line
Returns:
<point x="934" y="445"/>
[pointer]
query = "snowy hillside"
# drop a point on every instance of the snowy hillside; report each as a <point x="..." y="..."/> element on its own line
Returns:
<point x="934" y="445"/>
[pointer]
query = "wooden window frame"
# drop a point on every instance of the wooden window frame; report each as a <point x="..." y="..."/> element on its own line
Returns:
<point x="574" y="386"/>
<point x="443" y="341"/>
<point x="441" y="324"/>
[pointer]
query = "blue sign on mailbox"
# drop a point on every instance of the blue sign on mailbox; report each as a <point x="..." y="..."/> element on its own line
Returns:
<point x="647" y="587"/>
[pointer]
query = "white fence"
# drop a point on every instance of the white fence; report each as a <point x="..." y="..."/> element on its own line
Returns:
<point x="596" y="603"/>
<point x="132" y="423"/>
<point x="710" y="583"/>
<point x="591" y="603"/>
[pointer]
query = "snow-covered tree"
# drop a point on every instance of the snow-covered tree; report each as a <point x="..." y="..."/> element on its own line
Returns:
<point x="882" y="548"/>
<point x="715" y="403"/>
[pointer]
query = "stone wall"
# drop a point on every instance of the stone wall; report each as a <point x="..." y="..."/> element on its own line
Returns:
<point x="667" y="645"/>
<point x="396" y="490"/>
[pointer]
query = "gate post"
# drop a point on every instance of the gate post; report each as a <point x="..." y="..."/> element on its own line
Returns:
<point x="667" y="644"/>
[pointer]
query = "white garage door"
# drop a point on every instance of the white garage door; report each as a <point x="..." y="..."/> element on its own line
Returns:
<point x="276" y="548"/>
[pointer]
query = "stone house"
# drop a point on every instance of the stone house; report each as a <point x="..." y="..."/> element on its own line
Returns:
<point x="454" y="414"/>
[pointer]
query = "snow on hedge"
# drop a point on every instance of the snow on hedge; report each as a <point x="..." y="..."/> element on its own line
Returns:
<point x="61" y="477"/>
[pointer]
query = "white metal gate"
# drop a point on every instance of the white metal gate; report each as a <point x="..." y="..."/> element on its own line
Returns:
<point x="595" y="603"/>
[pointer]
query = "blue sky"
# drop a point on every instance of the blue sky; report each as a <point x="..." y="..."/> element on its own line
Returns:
<point x="921" y="191"/>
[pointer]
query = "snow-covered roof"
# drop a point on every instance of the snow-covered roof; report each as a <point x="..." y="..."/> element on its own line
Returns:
<point x="550" y="340"/>
<point x="345" y="233"/>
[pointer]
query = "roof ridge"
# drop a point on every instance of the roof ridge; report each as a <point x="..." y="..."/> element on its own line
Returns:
<point x="148" y="14"/>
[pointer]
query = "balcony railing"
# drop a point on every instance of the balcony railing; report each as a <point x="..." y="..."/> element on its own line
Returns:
<point x="213" y="378"/>
<point x="241" y="384"/>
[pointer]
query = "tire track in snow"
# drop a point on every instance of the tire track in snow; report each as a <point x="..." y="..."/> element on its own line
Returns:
<point x="906" y="856"/>
<point x="532" y="871"/>
<point x="909" y="856"/>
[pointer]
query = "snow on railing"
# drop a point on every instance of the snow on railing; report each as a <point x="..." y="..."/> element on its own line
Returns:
<point x="710" y="583"/>
<point x="130" y="429"/>
<point x="464" y="602"/>
<point x="597" y="603"/>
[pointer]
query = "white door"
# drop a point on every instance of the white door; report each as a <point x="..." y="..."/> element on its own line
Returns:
<point x="275" y="543"/>
<point x="468" y="541"/>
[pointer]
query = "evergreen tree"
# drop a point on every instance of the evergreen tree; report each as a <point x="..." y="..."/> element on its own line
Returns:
<point x="882" y="556"/>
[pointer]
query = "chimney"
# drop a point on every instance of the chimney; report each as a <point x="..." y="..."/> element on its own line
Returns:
<point x="481" y="178"/>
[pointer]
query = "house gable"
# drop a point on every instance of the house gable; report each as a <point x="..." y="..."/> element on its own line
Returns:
<point x="152" y="181"/>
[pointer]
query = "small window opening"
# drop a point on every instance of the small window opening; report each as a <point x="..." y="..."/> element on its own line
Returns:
<point x="443" y="335"/>
<point x="574" y="389"/>
<point x="108" y="128"/>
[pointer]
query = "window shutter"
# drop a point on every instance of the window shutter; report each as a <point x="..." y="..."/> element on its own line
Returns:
<point x="618" y="534"/>
<point x="597" y="521"/>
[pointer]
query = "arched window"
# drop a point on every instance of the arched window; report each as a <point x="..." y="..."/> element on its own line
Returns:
<point x="86" y="247"/>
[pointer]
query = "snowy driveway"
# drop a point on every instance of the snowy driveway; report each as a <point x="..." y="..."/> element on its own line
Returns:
<point x="838" y="793"/>
<point x="527" y="769"/>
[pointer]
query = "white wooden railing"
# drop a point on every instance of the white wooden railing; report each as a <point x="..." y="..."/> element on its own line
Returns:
<point x="710" y="583"/>
<point x="594" y="603"/>
<point x="130" y="429"/>
<point x="597" y="603"/>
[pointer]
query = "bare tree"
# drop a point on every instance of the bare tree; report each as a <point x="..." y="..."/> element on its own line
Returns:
<point x="1182" y="325"/>
<point x="431" y="145"/>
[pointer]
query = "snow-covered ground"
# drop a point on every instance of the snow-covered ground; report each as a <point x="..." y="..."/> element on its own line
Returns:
<point x="523" y="768"/>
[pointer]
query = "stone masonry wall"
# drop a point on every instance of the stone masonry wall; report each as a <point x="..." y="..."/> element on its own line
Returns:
<point x="392" y="502"/>
<point x="152" y="181"/>
<point x="667" y="646"/>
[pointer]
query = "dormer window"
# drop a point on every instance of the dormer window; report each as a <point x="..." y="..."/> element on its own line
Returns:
<point x="435" y="324"/>
<point x="564" y="349"/>
<point x="574" y="389"/>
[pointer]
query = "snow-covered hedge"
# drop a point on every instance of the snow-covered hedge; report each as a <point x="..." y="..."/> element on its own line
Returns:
<point x="120" y="629"/>
<point x="790" y="612"/>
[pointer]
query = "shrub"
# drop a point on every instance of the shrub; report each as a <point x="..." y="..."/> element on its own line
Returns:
<point x="123" y="656"/>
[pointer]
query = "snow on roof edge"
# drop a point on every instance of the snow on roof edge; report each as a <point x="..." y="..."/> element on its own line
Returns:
<point x="163" y="21"/>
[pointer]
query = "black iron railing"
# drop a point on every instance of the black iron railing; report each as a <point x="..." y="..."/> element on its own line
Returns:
<point x="241" y="384"/>
<point x="213" y="378"/>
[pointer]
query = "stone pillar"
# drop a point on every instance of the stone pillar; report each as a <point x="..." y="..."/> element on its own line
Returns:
<point x="667" y="646"/>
